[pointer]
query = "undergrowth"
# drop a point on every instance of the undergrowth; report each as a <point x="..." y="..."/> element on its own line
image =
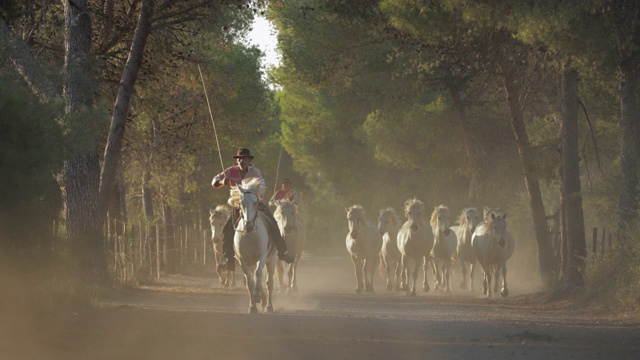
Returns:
<point x="612" y="279"/>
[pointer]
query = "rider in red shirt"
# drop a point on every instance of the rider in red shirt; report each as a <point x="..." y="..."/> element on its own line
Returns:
<point x="286" y="192"/>
<point x="233" y="176"/>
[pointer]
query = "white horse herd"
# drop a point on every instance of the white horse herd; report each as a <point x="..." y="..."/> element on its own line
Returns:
<point x="402" y="247"/>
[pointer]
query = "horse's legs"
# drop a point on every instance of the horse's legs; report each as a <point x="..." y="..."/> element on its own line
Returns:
<point x="279" y="269"/>
<point x="357" y="266"/>
<point x="425" y="266"/>
<point x="489" y="275"/>
<point x="387" y="267"/>
<point x="416" y="267"/>
<point x="249" y="280"/>
<point x="472" y="271"/>
<point x="257" y="290"/>
<point x="485" y="286"/>
<point x="463" y="268"/>
<point x="270" y="280"/>
<point x="292" y="285"/>
<point x="397" y="274"/>
<point x="505" y="290"/>
<point x="403" y="273"/>
<point x="445" y="274"/>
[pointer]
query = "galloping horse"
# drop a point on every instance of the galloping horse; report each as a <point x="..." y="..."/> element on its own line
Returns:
<point x="487" y="211"/>
<point x="363" y="243"/>
<point x="467" y="222"/>
<point x="415" y="244"/>
<point x="293" y="232"/>
<point x="252" y="245"/>
<point x="388" y="225"/>
<point x="491" y="245"/>
<point x="217" y="218"/>
<point x="444" y="246"/>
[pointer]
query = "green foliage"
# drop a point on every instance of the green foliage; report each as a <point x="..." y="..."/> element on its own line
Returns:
<point x="31" y="153"/>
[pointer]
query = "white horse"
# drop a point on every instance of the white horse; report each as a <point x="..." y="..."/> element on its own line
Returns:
<point x="251" y="243"/>
<point x="363" y="243"/>
<point x="217" y="219"/>
<point x="388" y="225"/>
<point x="293" y="232"/>
<point x="467" y="222"/>
<point x="444" y="246"/>
<point x="487" y="211"/>
<point x="492" y="246"/>
<point x="415" y="244"/>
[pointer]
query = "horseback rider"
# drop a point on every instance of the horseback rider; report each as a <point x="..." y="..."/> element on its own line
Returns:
<point x="286" y="192"/>
<point x="233" y="176"/>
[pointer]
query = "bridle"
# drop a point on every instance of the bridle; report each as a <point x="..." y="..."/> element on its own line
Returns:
<point x="255" y="216"/>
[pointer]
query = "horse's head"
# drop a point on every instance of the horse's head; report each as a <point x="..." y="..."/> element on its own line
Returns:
<point x="248" y="210"/>
<point x="469" y="219"/>
<point x="387" y="219"/>
<point x="286" y="215"/>
<point x="498" y="227"/>
<point x="413" y="211"/>
<point x="217" y="218"/>
<point x="440" y="219"/>
<point x="355" y="218"/>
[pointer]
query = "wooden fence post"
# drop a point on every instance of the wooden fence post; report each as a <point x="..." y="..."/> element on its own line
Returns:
<point x="604" y="236"/>
<point x="594" y="240"/>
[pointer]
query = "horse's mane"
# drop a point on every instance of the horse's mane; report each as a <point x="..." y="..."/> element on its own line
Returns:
<point x="221" y="209"/>
<point x="488" y="211"/>
<point x="390" y="210"/>
<point x="252" y="185"/>
<point x="357" y="208"/>
<point x="462" y="219"/>
<point x="491" y="215"/>
<point x="434" y="214"/>
<point x="411" y="203"/>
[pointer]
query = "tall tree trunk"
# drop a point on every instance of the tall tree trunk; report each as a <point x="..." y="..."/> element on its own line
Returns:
<point x="571" y="189"/>
<point x="121" y="107"/>
<point x="82" y="173"/>
<point x="88" y="186"/>
<point x="545" y="251"/>
<point x="628" y="201"/>
<point x="478" y="174"/>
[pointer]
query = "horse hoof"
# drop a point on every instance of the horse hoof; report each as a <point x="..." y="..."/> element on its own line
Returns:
<point x="253" y="310"/>
<point x="389" y="287"/>
<point x="358" y="290"/>
<point x="504" y="293"/>
<point x="412" y="293"/>
<point x="269" y="309"/>
<point x="463" y="286"/>
<point x="425" y="289"/>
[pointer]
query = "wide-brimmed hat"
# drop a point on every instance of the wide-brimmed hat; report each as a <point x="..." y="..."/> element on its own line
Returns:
<point x="242" y="152"/>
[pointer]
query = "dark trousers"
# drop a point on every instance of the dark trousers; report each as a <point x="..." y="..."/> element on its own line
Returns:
<point x="228" y="231"/>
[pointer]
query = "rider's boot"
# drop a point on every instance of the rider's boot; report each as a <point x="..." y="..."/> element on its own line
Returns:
<point x="286" y="257"/>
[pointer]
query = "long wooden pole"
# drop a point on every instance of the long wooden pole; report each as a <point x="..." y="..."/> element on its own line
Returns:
<point x="211" y="115"/>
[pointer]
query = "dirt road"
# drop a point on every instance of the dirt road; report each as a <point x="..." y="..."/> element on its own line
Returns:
<point x="196" y="318"/>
